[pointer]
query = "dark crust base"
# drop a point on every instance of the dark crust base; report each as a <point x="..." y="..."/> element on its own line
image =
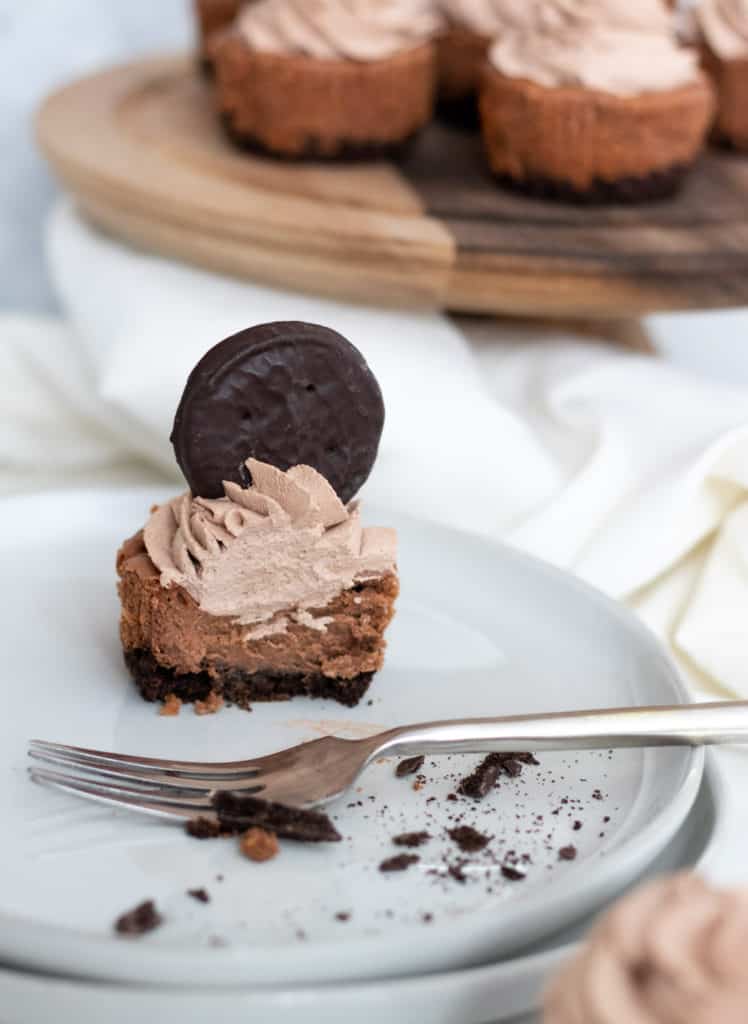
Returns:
<point x="725" y="142"/>
<point x="206" y="67"/>
<point x="651" y="187"/>
<point x="155" y="682"/>
<point x="462" y="113"/>
<point x="346" y="152"/>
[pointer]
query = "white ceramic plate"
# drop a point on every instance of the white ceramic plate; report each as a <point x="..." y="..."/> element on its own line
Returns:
<point x="496" y="992"/>
<point x="480" y="631"/>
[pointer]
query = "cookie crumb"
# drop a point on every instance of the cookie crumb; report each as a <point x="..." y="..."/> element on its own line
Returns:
<point x="259" y="845"/>
<point x="201" y="895"/>
<point x="212" y="703"/>
<point x="567" y="853"/>
<point x="342" y="916"/>
<point x="469" y="839"/>
<point x="409" y="766"/>
<point x="399" y="863"/>
<point x="411" y="839"/>
<point x="457" y="871"/>
<point x="512" y="873"/>
<point x="143" y="919"/>
<point x="203" y="828"/>
<point x="171" y="706"/>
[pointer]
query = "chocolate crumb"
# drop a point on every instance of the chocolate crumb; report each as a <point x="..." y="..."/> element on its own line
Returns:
<point x="212" y="703"/>
<point x="171" y="706"/>
<point x="427" y="918"/>
<point x="399" y="863"/>
<point x="411" y="839"/>
<point x="469" y="839"/>
<point x="201" y="895"/>
<point x="457" y="872"/>
<point x="480" y="782"/>
<point x="409" y="766"/>
<point x="512" y="873"/>
<point x="144" y="918"/>
<point x="577" y="825"/>
<point x="567" y="853"/>
<point x="239" y="813"/>
<point x="342" y="916"/>
<point x="526" y="758"/>
<point x="259" y="845"/>
<point x="452" y="796"/>
<point x="204" y="828"/>
<point x="597" y="795"/>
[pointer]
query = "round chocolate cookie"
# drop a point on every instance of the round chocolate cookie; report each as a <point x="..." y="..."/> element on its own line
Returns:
<point x="284" y="393"/>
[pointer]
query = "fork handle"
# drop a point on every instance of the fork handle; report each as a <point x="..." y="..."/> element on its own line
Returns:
<point x="678" y="725"/>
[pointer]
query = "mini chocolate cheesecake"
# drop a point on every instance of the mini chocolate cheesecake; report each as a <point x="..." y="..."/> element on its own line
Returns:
<point x="212" y="18"/>
<point x="601" y="104"/>
<point x="723" y="31"/>
<point x="344" y="79"/>
<point x="261" y="583"/>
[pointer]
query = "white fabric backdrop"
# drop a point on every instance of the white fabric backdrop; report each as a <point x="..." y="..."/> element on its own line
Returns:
<point x="627" y="470"/>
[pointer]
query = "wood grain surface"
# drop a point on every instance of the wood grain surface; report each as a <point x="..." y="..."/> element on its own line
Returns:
<point x="141" y="149"/>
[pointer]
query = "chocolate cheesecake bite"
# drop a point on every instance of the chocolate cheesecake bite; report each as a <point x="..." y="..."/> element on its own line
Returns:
<point x="261" y="583"/>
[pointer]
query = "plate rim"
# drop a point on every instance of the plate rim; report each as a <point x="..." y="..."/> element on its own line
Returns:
<point x="55" y="948"/>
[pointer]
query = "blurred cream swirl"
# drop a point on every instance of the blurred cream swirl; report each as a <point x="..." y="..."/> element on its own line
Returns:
<point x="624" y="47"/>
<point x="361" y="30"/>
<point x="724" y="25"/>
<point x="672" y="952"/>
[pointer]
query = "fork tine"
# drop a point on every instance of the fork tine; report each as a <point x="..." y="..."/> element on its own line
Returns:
<point x="96" y="769"/>
<point x="120" y="796"/>
<point x="184" y="769"/>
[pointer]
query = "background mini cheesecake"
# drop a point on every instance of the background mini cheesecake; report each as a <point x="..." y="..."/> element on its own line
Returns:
<point x="339" y="80"/>
<point x="471" y="27"/>
<point x="213" y="16"/>
<point x="723" y="26"/>
<point x="604" y="106"/>
<point x="261" y="583"/>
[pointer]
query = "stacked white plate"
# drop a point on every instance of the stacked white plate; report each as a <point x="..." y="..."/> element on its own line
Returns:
<point x="321" y="932"/>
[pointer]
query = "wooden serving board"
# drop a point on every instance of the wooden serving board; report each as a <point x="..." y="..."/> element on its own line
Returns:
<point x="143" y="152"/>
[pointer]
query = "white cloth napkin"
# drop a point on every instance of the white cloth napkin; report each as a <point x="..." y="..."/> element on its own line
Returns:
<point x="620" y="467"/>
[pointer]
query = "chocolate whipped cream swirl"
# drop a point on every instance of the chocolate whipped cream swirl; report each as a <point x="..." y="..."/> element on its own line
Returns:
<point x="270" y="553"/>
<point x="623" y="47"/>
<point x="359" y="30"/>
<point x="672" y="952"/>
<point x="724" y="25"/>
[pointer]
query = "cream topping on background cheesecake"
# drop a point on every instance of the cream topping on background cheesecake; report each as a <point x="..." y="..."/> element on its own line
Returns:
<point x="490" y="17"/>
<point x="724" y="24"/>
<point x="270" y="551"/>
<point x="623" y="47"/>
<point x="672" y="952"/>
<point x="359" y="30"/>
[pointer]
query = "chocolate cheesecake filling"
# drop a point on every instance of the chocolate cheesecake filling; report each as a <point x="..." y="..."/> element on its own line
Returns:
<point x="172" y="646"/>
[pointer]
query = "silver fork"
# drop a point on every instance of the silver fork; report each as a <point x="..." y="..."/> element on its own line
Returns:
<point x="315" y="773"/>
